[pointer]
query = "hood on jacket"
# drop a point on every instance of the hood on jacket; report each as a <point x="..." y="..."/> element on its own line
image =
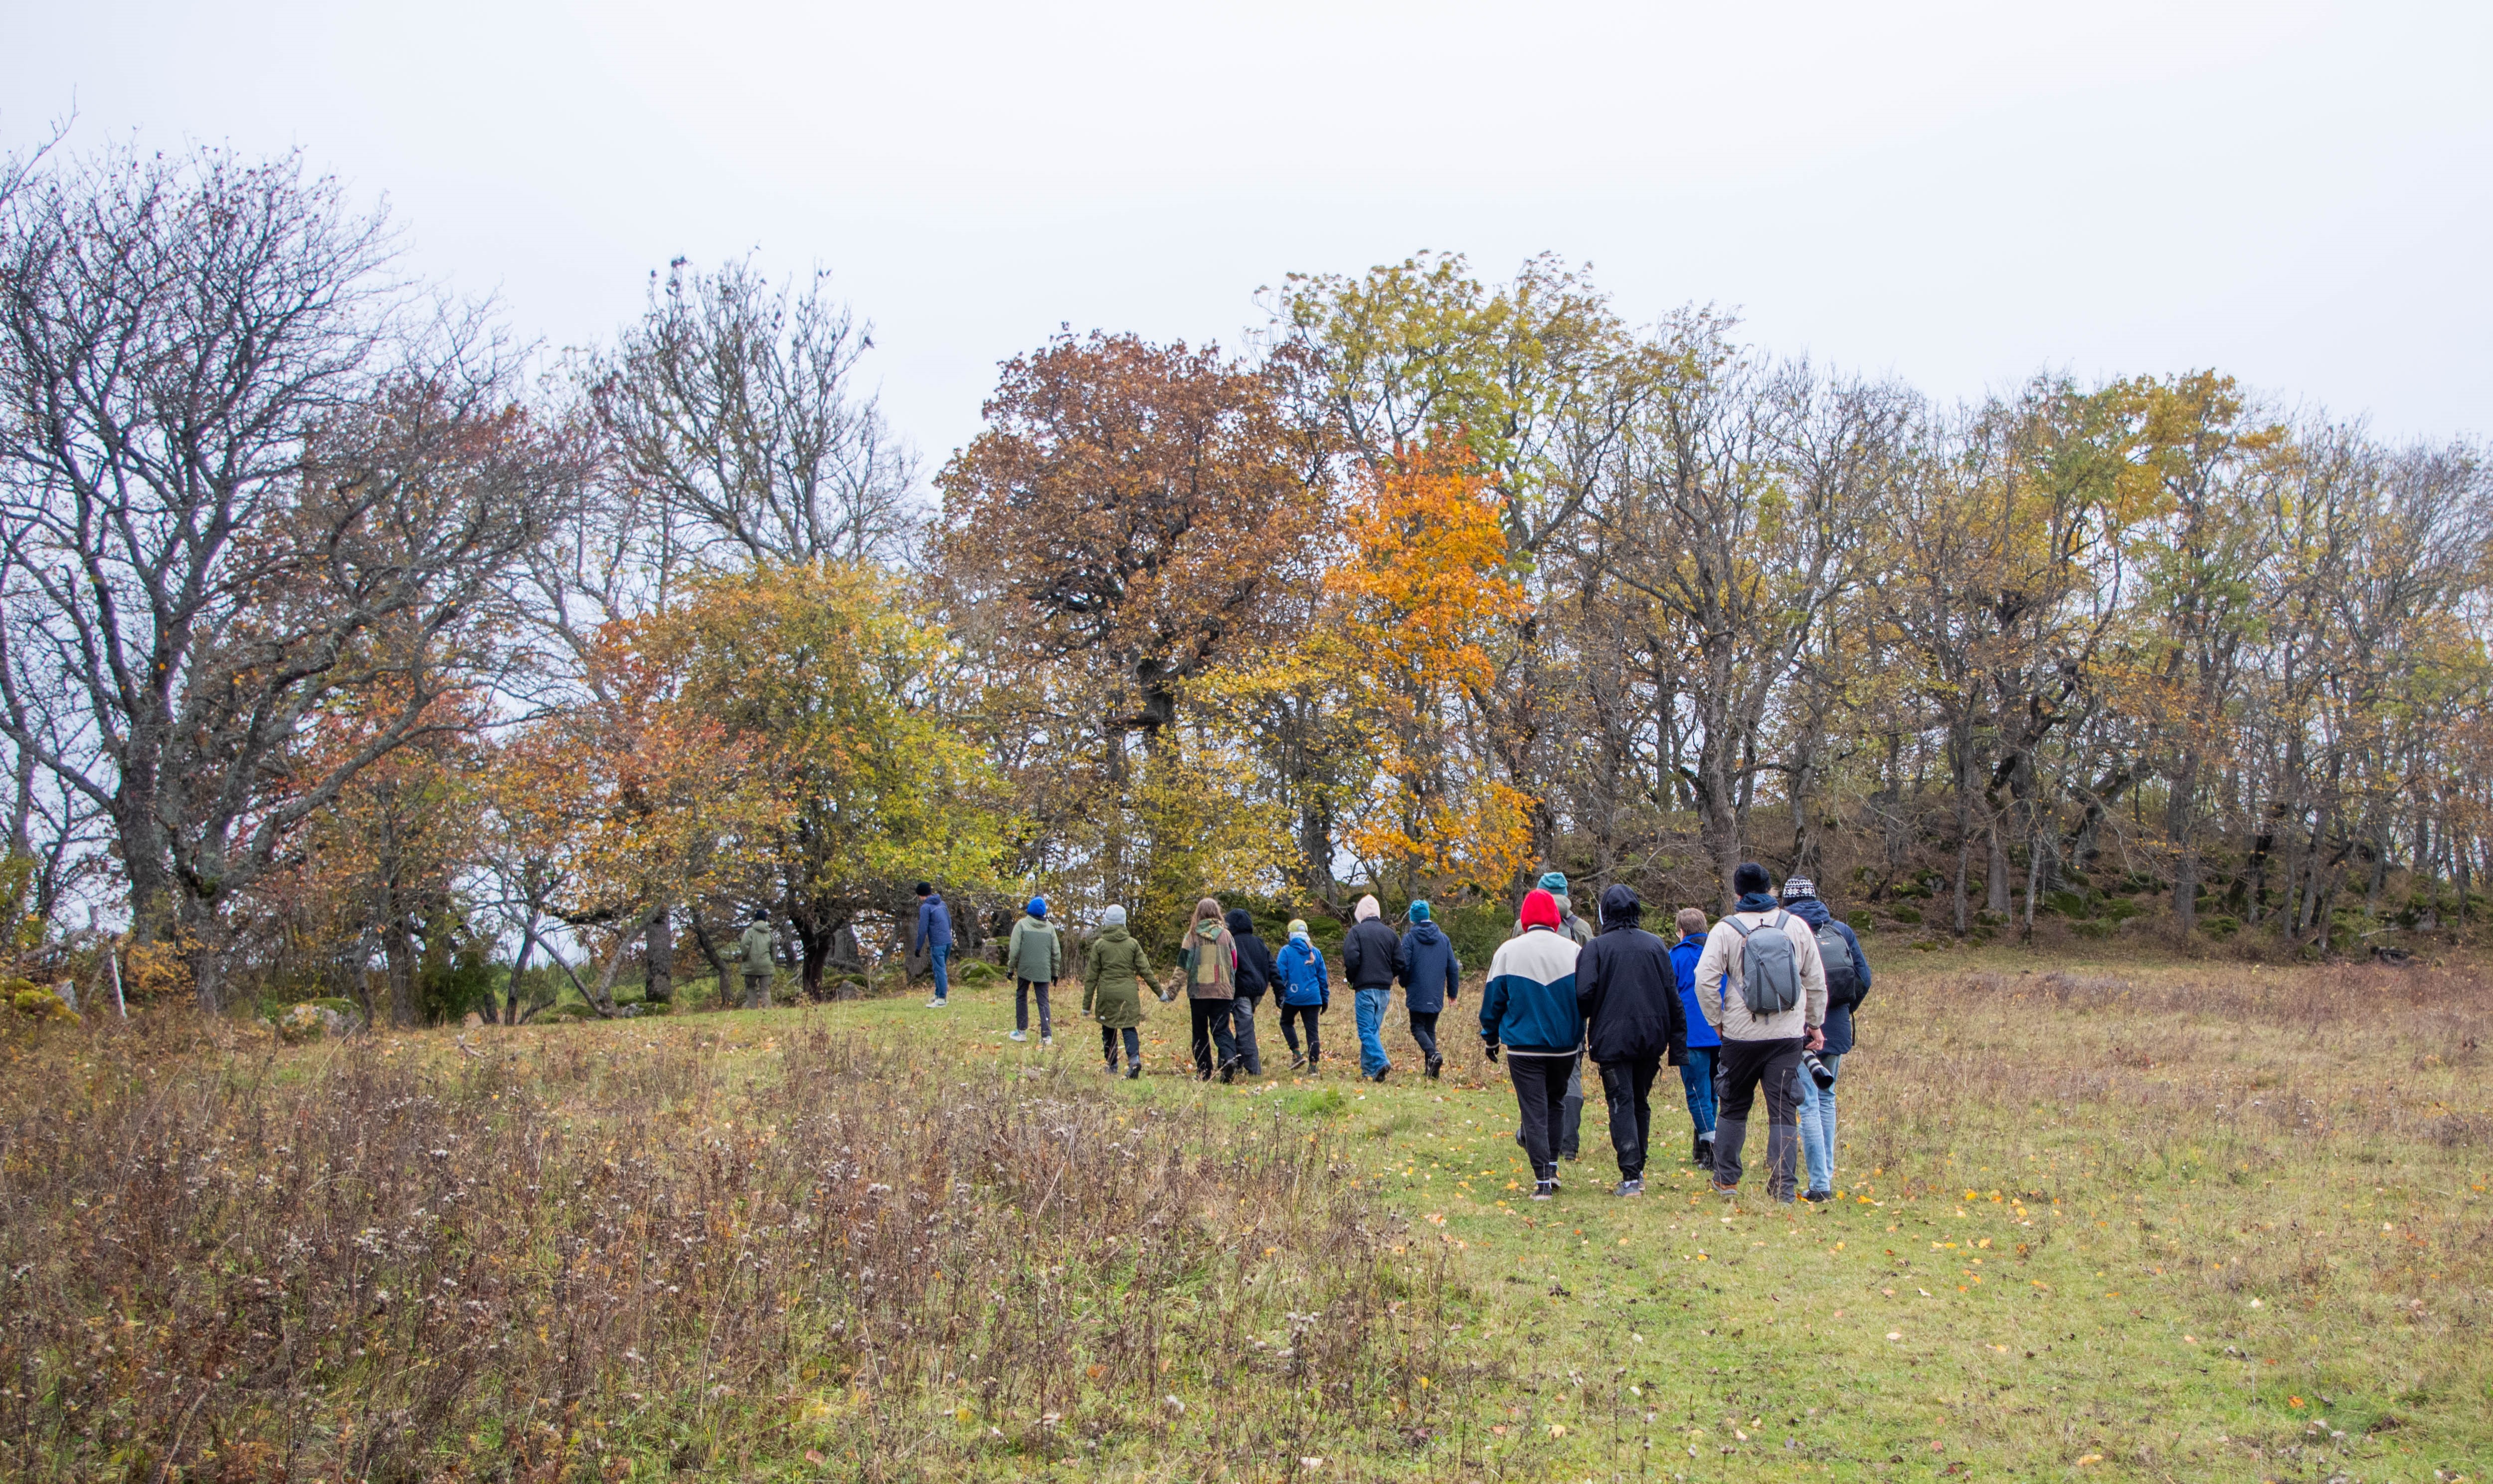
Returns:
<point x="1239" y="922"/>
<point x="1425" y="932"/>
<point x="1207" y="914"/>
<point x="1539" y="909"/>
<point x="1756" y="901"/>
<point x="1367" y="908"/>
<point x="1621" y="907"/>
<point x="1809" y="910"/>
<point x="1115" y="932"/>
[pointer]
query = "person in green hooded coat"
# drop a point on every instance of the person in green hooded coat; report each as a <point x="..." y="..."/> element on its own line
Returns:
<point x="1112" y="981"/>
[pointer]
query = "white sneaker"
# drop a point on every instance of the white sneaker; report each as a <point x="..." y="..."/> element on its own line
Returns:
<point x="937" y="1004"/>
<point x="1021" y="1035"/>
<point x="1048" y="1041"/>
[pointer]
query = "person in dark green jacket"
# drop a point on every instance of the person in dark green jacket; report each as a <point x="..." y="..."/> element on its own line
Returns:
<point x="1112" y="994"/>
<point x="758" y="944"/>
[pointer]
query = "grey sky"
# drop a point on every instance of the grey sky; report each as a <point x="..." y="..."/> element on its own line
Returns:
<point x="1958" y="193"/>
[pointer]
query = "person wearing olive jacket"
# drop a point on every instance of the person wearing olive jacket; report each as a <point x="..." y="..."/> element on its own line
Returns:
<point x="1037" y="956"/>
<point x="1112" y="989"/>
<point x="1370" y="958"/>
<point x="1431" y="976"/>
<point x="1209" y="960"/>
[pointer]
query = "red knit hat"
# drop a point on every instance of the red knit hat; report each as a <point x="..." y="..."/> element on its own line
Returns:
<point x="1539" y="909"/>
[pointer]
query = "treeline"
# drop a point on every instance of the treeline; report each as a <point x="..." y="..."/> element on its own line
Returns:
<point x="344" y="659"/>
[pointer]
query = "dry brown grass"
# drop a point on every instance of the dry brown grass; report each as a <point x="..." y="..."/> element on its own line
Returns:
<point x="583" y="1254"/>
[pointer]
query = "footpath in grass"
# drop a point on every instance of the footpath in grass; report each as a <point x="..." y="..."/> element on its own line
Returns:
<point x="2192" y="1220"/>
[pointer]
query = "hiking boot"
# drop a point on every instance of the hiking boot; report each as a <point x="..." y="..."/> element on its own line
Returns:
<point x="1229" y="1075"/>
<point x="1379" y="1078"/>
<point x="1544" y="1190"/>
<point x="1435" y="1063"/>
<point x="1298" y="1059"/>
<point x="1134" y="1071"/>
<point x="1700" y="1151"/>
<point x="1722" y="1189"/>
<point x="1110" y="1069"/>
<point x="1817" y="1195"/>
<point x="1020" y="1035"/>
<point x="1630" y="1188"/>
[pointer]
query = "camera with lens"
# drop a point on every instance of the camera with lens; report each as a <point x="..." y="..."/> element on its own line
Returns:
<point x="1819" y="1071"/>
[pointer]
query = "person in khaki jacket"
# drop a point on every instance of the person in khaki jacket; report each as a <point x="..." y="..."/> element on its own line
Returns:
<point x="1036" y="954"/>
<point x="1766" y="995"/>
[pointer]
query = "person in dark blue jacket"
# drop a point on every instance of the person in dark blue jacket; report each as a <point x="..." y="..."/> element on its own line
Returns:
<point x="1848" y="984"/>
<point x="1431" y="976"/>
<point x="1705" y="1043"/>
<point x="1254" y="977"/>
<point x="935" y="935"/>
<point x="1306" y="988"/>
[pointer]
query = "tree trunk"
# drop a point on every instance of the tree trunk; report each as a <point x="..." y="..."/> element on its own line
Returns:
<point x="518" y="967"/>
<point x="661" y="956"/>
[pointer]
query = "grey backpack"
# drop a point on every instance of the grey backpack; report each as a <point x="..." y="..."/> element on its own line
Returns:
<point x="1769" y="975"/>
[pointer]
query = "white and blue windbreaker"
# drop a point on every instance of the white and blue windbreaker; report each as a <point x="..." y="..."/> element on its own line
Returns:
<point x="1530" y="1005"/>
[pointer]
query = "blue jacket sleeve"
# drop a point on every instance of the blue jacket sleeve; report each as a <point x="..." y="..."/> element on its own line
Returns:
<point x="1454" y="973"/>
<point x="1860" y="960"/>
<point x="922" y="926"/>
<point x="1492" y="1009"/>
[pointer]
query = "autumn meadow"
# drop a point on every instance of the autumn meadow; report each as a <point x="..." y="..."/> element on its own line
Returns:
<point x="484" y="818"/>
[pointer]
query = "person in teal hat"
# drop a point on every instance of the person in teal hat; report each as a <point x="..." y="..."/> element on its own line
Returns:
<point x="1431" y="976"/>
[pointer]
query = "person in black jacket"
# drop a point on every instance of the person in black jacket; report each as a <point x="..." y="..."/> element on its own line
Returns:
<point x="1254" y="977"/>
<point x="1431" y="976"/>
<point x="1628" y="994"/>
<point x="1372" y="956"/>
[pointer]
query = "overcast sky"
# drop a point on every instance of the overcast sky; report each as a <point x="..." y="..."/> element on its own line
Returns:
<point x="1956" y="193"/>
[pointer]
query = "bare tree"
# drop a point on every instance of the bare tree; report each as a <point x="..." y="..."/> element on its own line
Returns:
<point x="737" y="405"/>
<point x="238" y="494"/>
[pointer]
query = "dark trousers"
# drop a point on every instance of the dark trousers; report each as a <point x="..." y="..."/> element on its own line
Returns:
<point x="1211" y="1035"/>
<point x="1241" y="1029"/>
<point x="1744" y="1067"/>
<point x="1295" y="1016"/>
<point x="1628" y="1087"/>
<point x="1021" y="1005"/>
<point x="1133" y="1045"/>
<point x="1540" y="1097"/>
<point x="1571" y="1126"/>
<point x="1423" y="1030"/>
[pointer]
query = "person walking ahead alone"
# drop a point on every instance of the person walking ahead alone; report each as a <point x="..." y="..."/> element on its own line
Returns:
<point x="1112" y="989"/>
<point x="759" y="945"/>
<point x="1848" y="984"/>
<point x="935" y="935"/>
<point x="1305" y="987"/>
<point x="1630" y="997"/>
<point x="1370" y="957"/>
<point x="1759" y="983"/>
<point x="1696" y="1070"/>
<point x="1254" y="977"/>
<point x="1037" y="956"/>
<point x="1430" y="975"/>
<point x="1529" y="1010"/>
<point x="1210" y="963"/>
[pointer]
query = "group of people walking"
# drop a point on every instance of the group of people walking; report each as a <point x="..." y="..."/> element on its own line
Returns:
<point x="1758" y="1003"/>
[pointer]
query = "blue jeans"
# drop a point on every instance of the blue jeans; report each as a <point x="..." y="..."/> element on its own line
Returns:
<point x="1818" y="1125"/>
<point x="1697" y="1078"/>
<point x="1371" y="1009"/>
<point x="942" y="954"/>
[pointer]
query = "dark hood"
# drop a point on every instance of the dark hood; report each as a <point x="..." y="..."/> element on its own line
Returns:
<point x="1425" y="932"/>
<point x="1621" y="907"/>
<point x="1756" y="901"/>
<point x="1809" y="910"/>
<point x="1239" y="921"/>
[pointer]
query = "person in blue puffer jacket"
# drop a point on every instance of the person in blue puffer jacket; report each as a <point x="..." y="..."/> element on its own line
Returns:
<point x="1704" y="1044"/>
<point x="1306" y="986"/>
<point x="1848" y="984"/>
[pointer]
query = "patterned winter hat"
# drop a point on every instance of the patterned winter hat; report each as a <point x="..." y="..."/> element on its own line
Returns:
<point x="1799" y="886"/>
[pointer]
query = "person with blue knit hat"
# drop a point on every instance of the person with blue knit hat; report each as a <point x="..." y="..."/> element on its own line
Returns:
<point x="1431" y="976"/>
<point x="1034" y="955"/>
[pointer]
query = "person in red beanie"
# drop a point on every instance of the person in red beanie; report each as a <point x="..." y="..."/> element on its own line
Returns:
<point x="1529" y="1012"/>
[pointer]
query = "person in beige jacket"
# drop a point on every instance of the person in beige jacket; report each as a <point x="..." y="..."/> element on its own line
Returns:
<point x="1760" y="1049"/>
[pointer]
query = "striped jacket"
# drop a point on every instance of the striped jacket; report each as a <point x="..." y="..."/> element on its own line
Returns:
<point x="1529" y="1007"/>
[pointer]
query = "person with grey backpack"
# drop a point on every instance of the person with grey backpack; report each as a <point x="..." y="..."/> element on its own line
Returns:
<point x="1848" y="984"/>
<point x="1761" y="984"/>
